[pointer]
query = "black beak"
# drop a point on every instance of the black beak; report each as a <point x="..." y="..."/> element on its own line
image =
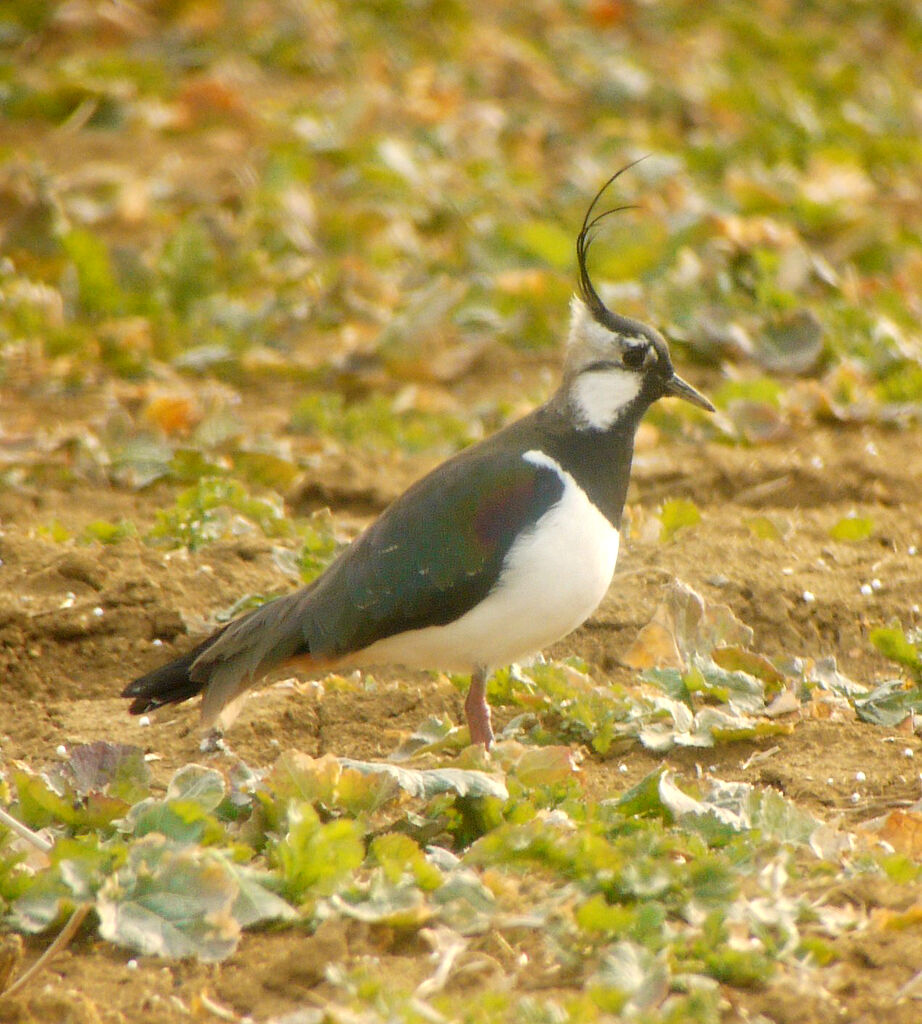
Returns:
<point x="675" y="387"/>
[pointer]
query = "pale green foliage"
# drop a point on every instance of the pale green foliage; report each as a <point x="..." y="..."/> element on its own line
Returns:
<point x="904" y="649"/>
<point x="218" y="509"/>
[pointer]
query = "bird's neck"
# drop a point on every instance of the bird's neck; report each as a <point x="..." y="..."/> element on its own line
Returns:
<point x="598" y="460"/>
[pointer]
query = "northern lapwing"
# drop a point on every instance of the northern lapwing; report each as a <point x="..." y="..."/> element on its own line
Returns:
<point x="497" y="553"/>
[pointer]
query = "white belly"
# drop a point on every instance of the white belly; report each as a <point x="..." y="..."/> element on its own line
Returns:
<point x="554" y="577"/>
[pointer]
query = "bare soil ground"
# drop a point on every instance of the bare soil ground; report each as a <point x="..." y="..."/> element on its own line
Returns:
<point x="78" y="623"/>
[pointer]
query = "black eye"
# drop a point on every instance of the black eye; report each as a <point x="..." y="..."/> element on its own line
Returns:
<point x="634" y="356"/>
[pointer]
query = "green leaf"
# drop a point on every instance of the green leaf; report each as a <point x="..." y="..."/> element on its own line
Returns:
<point x="328" y="783"/>
<point x="77" y="870"/>
<point x="545" y="766"/>
<point x="171" y="902"/>
<point x="768" y="527"/>
<point x="739" y="659"/>
<point x="97" y="289"/>
<point x="740" y="690"/>
<point x="185" y="823"/>
<point x="671" y="681"/>
<point x="185" y="814"/>
<point x="852" y="528"/>
<point x="598" y="915"/>
<point x="187" y="265"/>
<point x="893" y="643"/>
<point x="630" y="979"/>
<point x="47" y="901"/>
<point x="202" y="786"/>
<point x="39" y="804"/>
<point x="432" y="736"/>
<point x="191" y="464"/>
<point x="400" y="906"/>
<point x="739" y="967"/>
<point x="547" y="241"/>
<point x="889" y="704"/>
<point x="266" y="470"/>
<point x="644" y="797"/>
<point x="316" y="859"/>
<point x="465" y="903"/>
<point x="107" y="532"/>
<point x="432" y="781"/>
<point x="54" y="531"/>
<point x="114" y="768"/>
<point x="215" y="509"/>
<point x="758" y="391"/>
<point x="676" y="514"/>
<point x="255" y="902"/>
<point x="319" y="544"/>
<point x="398" y="853"/>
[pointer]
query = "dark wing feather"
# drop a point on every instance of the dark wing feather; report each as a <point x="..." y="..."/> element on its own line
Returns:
<point x="431" y="557"/>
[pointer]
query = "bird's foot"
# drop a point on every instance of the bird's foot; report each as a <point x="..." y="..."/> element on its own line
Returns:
<point x="213" y="743"/>
<point x="477" y="711"/>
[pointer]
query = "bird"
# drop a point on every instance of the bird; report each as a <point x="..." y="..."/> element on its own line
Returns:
<point x="495" y="554"/>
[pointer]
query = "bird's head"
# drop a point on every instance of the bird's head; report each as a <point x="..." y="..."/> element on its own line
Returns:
<point x="614" y="364"/>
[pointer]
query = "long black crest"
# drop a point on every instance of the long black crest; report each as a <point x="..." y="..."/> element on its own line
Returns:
<point x="584" y="239"/>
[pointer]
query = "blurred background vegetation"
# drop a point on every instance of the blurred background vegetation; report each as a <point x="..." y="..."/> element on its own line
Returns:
<point x="357" y="195"/>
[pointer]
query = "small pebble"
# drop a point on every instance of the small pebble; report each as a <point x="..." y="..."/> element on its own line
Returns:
<point x="908" y="752"/>
<point x="865" y="589"/>
<point x="816" y="462"/>
<point x="132" y="965"/>
<point x="787" y="571"/>
<point x="144" y="720"/>
<point x="157" y="643"/>
<point x="808" y="597"/>
<point x="61" y="750"/>
<point x="622" y="768"/>
<point x="860" y="777"/>
<point x="912" y="550"/>
<point x="830" y="781"/>
<point x="876" y="584"/>
<point x="98" y="612"/>
<point x="855" y="797"/>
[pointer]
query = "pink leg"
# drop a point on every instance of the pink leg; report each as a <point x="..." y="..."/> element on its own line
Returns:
<point x="478" y="711"/>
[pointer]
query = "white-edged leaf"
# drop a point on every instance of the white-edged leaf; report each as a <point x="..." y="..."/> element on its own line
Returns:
<point x="399" y="906"/>
<point x="203" y="786"/>
<point x="256" y="903"/>
<point x="432" y="781"/>
<point x="170" y="902"/>
<point x="635" y="973"/>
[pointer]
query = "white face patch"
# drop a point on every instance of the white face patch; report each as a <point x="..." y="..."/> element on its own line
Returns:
<point x="599" y="397"/>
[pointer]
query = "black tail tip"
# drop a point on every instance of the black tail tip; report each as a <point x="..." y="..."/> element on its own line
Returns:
<point x="168" y="684"/>
<point x="141" y="705"/>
